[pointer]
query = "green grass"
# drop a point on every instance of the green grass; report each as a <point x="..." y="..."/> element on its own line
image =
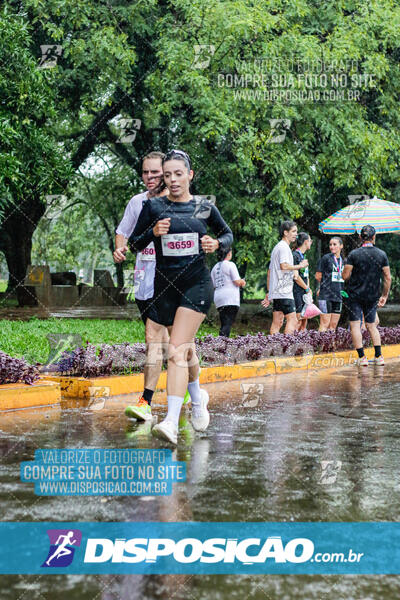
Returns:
<point x="3" y="285"/>
<point x="28" y="339"/>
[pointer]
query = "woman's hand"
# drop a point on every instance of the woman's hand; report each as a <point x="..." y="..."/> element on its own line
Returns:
<point x="162" y="227"/>
<point x="266" y="302"/>
<point x="209" y="244"/>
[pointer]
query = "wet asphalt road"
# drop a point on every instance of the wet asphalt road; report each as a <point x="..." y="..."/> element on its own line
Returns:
<point x="298" y="447"/>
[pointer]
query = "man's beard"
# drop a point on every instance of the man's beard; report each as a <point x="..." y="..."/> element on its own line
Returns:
<point x="159" y="187"/>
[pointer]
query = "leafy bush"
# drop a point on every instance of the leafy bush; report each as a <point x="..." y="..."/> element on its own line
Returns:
<point x="14" y="370"/>
<point x="90" y="361"/>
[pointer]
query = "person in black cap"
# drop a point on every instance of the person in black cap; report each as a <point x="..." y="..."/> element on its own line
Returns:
<point x="365" y="268"/>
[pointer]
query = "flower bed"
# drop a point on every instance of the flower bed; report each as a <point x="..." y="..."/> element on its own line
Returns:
<point x="89" y="361"/>
<point x="16" y="370"/>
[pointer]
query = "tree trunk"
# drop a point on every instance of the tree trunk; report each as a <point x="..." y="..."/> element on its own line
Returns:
<point x="120" y="274"/>
<point x="242" y="272"/>
<point x="16" y="234"/>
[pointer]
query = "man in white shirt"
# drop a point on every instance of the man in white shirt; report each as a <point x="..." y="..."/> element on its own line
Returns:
<point x="145" y="267"/>
<point x="280" y="280"/>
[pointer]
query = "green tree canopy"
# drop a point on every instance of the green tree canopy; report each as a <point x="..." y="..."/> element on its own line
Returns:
<point x="172" y="66"/>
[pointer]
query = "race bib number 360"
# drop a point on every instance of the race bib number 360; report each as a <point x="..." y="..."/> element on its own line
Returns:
<point x="148" y="253"/>
<point x="180" y="244"/>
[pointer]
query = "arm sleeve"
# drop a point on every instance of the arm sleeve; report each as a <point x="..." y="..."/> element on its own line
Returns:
<point x="385" y="262"/>
<point x="220" y="228"/>
<point x="129" y="219"/>
<point x="213" y="276"/>
<point x="284" y="255"/>
<point x="350" y="259"/>
<point x="143" y="233"/>
<point x="234" y="273"/>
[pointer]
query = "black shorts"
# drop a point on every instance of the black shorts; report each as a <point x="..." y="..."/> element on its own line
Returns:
<point x="144" y="307"/>
<point x="358" y="308"/>
<point x="285" y="305"/>
<point x="298" y="301"/>
<point x="173" y="289"/>
<point x="328" y="307"/>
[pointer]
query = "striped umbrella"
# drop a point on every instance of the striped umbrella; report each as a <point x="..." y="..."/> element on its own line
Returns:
<point x="383" y="215"/>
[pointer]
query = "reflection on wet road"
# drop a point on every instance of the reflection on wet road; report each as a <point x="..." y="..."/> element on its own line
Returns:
<point x="300" y="447"/>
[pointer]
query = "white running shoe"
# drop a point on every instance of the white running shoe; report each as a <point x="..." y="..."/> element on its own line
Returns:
<point x="201" y="420"/>
<point x="379" y="360"/>
<point x="166" y="430"/>
<point x="363" y="361"/>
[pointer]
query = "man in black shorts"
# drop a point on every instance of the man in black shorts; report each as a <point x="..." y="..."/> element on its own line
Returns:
<point x="365" y="268"/>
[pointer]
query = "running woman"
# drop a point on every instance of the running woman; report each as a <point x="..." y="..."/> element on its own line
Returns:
<point x="301" y="285"/>
<point x="280" y="280"/>
<point x="227" y="283"/>
<point x="145" y="267"/>
<point x="329" y="275"/>
<point x="182" y="286"/>
<point x="364" y="271"/>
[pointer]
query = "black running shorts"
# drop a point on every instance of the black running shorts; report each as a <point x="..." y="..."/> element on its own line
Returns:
<point x="330" y="307"/>
<point x="173" y="288"/>
<point x="144" y="307"/>
<point x="285" y="305"/>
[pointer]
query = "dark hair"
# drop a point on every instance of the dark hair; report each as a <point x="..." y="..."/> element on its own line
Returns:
<point x="367" y="232"/>
<point x="177" y="155"/>
<point x="301" y="238"/>
<point x="338" y="238"/>
<point x="222" y="253"/>
<point x="286" y="226"/>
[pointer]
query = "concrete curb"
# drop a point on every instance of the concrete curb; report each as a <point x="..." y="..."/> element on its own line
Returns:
<point x="114" y="385"/>
<point x="15" y="396"/>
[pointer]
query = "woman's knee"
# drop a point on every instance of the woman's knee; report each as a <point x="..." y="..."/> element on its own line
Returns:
<point x="183" y="354"/>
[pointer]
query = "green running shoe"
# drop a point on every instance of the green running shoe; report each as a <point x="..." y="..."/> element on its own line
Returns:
<point x="142" y="430"/>
<point x="140" y="411"/>
<point x="186" y="430"/>
<point x="187" y="398"/>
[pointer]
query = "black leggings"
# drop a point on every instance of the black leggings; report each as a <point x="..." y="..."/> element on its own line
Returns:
<point x="227" y="315"/>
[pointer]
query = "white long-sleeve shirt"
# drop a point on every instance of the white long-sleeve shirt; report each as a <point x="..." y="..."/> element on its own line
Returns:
<point x="145" y="266"/>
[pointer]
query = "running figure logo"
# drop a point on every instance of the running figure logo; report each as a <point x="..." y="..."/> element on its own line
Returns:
<point x="62" y="547"/>
<point x="252" y="394"/>
<point x="358" y="206"/>
<point x="330" y="471"/>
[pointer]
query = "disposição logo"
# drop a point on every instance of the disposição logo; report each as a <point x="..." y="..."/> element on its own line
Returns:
<point x="62" y="547"/>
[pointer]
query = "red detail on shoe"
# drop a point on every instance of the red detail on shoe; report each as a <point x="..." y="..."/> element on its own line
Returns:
<point x="141" y="401"/>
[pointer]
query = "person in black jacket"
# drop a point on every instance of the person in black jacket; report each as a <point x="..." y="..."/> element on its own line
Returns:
<point x="183" y="292"/>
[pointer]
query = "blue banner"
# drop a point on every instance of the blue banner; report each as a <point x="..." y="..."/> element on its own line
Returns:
<point x="192" y="548"/>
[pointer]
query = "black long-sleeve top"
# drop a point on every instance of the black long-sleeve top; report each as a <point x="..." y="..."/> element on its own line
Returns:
<point x="186" y="217"/>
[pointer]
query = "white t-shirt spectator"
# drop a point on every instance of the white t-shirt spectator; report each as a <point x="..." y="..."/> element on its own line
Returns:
<point x="226" y="292"/>
<point x="145" y="267"/>
<point x="280" y="282"/>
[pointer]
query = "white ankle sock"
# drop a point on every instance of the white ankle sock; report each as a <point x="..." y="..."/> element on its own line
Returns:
<point x="195" y="392"/>
<point x="174" y="409"/>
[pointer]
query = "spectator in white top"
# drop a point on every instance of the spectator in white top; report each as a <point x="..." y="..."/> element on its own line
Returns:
<point x="227" y="283"/>
<point x="281" y="273"/>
